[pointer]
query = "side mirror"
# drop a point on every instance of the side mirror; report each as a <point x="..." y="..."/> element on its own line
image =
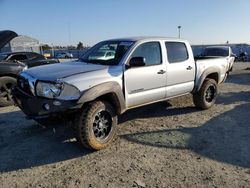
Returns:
<point x="137" y="62"/>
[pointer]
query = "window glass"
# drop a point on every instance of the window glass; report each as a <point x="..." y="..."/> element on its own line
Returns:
<point x="18" y="57"/>
<point x="151" y="51"/>
<point x="107" y="52"/>
<point x="221" y="52"/>
<point x="3" y="56"/>
<point x="176" y="51"/>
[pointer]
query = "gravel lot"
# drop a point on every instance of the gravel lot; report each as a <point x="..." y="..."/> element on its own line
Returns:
<point x="168" y="144"/>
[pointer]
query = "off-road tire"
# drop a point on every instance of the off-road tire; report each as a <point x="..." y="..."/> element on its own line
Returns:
<point x="6" y="84"/>
<point x="85" y="123"/>
<point x="204" y="98"/>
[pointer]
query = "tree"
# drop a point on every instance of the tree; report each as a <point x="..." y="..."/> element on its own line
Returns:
<point x="80" y="46"/>
<point x="46" y="47"/>
<point x="71" y="47"/>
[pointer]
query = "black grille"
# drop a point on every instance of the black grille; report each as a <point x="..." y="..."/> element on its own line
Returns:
<point x="23" y="85"/>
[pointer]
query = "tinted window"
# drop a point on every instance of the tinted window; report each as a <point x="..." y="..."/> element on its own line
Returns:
<point x="32" y="56"/>
<point x="176" y="51"/>
<point x="216" y="52"/>
<point x="3" y="56"/>
<point x="19" y="57"/>
<point x="151" y="51"/>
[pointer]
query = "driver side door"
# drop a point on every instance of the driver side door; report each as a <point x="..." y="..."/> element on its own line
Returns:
<point x="146" y="84"/>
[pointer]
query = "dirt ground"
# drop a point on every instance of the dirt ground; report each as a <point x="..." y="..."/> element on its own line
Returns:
<point x="168" y="144"/>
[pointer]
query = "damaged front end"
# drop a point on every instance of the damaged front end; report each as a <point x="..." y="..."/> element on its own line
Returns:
<point x="45" y="99"/>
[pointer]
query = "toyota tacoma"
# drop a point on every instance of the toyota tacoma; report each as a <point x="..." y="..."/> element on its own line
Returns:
<point x="93" y="91"/>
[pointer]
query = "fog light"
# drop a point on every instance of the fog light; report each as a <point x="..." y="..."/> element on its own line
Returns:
<point x="46" y="107"/>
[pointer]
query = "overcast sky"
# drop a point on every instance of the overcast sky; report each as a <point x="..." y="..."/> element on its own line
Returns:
<point x="67" y="22"/>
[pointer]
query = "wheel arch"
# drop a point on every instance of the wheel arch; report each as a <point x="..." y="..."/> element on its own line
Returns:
<point x="211" y="73"/>
<point x="214" y="76"/>
<point x="109" y="91"/>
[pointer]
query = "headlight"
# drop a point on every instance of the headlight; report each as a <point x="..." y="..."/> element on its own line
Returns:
<point x="61" y="91"/>
<point x="48" y="90"/>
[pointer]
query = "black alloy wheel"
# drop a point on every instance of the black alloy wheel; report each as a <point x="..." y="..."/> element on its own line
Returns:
<point x="210" y="93"/>
<point x="102" y="125"/>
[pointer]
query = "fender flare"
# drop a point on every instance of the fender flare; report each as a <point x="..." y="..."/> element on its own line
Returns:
<point x="108" y="90"/>
<point x="205" y="74"/>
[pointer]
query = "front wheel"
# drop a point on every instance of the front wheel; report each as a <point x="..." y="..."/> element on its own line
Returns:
<point x="206" y="96"/>
<point x="6" y="85"/>
<point x="96" y="125"/>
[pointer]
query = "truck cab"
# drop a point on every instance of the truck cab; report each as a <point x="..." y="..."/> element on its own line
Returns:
<point x="168" y="70"/>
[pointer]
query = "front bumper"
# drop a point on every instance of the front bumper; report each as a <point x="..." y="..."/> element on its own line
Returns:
<point x="38" y="107"/>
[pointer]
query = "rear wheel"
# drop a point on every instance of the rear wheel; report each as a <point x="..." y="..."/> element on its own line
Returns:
<point x="6" y="85"/>
<point x="207" y="94"/>
<point x="96" y="125"/>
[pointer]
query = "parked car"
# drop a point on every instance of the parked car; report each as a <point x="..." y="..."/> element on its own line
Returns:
<point x="243" y="56"/>
<point x="64" y="55"/>
<point x="93" y="92"/>
<point x="103" y="55"/>
<point x="12" y="63"/>
<point x="31" y="59"/>
<point x="221" y="51"/>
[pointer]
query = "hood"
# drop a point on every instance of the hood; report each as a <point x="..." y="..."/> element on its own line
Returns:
<point x="56" y="71"/>
<point x="6" y="36"/>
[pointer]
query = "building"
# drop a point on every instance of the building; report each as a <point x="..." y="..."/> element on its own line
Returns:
<point x="22" y="43"/>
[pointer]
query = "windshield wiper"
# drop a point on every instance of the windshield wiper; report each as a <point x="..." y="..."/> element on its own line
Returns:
<point x="91" y="61"/>
<point x="98" y="62"/>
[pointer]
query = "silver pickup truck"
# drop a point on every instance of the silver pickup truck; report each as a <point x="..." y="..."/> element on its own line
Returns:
<point x="94" y="90"/>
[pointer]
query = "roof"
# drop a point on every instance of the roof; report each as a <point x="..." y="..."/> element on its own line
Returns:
<point x="16" y="53"/>
<point x="24" y="38"/>
<point x="146" y="38"/>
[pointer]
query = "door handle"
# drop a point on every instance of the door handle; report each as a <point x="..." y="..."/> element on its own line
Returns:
<point x="189" y="68"/>
<point x="161" y="72"/>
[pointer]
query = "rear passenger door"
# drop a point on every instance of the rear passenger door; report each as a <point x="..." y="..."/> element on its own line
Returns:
<point x="147" y="83"/>
<point x="180" y="69"/>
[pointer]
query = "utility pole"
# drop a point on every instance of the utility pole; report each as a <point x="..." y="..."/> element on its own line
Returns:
<point x="179" y="28"/>
<point x="52" y="50"/>
<point x="69" y="34"/>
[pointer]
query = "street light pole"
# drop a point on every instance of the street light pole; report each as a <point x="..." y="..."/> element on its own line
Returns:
<point x="52" y="50"/>
<point x="179" y="28"/>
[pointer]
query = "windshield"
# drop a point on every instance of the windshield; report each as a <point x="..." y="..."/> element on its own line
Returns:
<point x="221" y="52"/>
<point x="107" y="53"/>
<point x="2" y="56"/>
